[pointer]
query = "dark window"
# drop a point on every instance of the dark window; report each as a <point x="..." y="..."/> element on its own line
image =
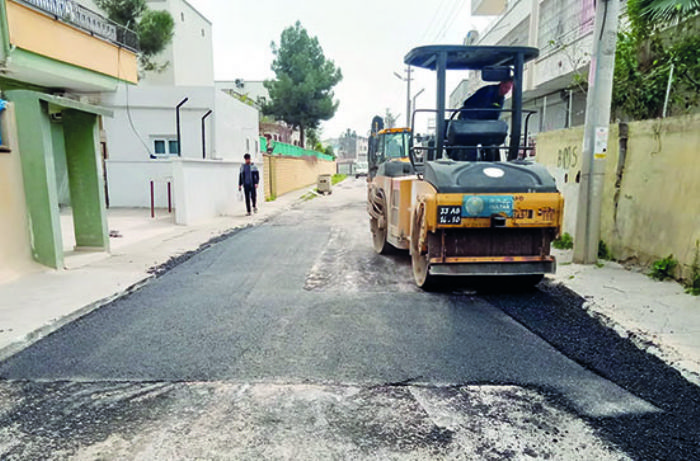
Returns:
<point x="182" y="17"/>
<point x="202" y="32"/>
<point x="159" y="146"/>
<point x="173" y="147"/>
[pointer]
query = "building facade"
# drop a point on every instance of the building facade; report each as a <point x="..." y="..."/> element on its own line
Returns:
<point x="177" y="131"/>
<point x="554" y="83"/>
<point x="51" y="55"/>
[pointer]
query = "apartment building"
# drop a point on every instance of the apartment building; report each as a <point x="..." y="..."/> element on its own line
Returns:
<point x="562" y="30"/>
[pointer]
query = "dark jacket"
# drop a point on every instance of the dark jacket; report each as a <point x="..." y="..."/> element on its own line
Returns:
<point x="254" y="175"/>
<point x="486" y="97"/>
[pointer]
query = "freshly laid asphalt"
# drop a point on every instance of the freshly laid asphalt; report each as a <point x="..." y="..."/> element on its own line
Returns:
<point x="302" y="299"/>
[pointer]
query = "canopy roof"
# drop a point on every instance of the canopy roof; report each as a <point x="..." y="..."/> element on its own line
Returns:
<point x="468" y="57"/>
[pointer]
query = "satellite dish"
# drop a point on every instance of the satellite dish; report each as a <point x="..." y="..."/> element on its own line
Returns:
<point x="471" y="38"/>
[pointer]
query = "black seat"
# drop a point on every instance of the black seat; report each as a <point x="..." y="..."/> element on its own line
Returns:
<point x="474" y="132"/>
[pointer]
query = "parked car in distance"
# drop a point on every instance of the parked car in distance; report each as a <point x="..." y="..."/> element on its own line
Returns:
<point x="361" y="169"/>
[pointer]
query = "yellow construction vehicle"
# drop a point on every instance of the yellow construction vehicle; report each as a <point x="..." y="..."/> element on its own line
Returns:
<point x="388" y="159"/>
<point x="463" y="204"/>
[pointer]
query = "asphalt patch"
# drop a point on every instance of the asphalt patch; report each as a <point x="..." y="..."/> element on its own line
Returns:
<point x="556" y="314"/>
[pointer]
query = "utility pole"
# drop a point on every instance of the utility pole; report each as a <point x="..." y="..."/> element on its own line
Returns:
<point x="415" y="96"/>
<point x="407" y="79"/>
<point x="595" y="139"/>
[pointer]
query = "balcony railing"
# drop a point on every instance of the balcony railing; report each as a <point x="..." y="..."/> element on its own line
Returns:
<point x="75" y="14"/>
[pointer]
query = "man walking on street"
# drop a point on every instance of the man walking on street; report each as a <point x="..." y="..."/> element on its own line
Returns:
<point x="248" y="179"/>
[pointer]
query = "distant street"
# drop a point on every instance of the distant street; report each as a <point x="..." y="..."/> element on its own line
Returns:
<point x="293" y="340"/>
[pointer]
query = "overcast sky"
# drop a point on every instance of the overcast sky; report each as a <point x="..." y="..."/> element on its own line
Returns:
<point x="366" y="39"/>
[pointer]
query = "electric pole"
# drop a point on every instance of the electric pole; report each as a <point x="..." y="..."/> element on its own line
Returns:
<point x="595" y="136"/>
<point x="407" y="79"/>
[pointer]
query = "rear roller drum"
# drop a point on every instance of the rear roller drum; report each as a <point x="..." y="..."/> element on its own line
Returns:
<point x="378" y="227"/>
<point x="420" y="255"/>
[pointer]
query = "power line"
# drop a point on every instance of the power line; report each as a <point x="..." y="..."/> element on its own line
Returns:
<point x="433" y="22"/>
<point x="454" y="17"/>
<point x="440" y="33"/>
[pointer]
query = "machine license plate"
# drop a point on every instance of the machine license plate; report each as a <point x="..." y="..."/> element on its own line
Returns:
<point x="485" y="206"/>
<point x="523" y="214"/>
<point x="449" y="215"/>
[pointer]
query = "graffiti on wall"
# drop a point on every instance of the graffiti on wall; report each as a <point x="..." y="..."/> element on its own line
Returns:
<point x="567" y="157"/>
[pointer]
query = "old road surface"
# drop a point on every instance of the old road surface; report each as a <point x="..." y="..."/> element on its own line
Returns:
<point x="293" y="340"/>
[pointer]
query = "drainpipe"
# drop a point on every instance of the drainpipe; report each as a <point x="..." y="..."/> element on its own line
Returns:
<point x="204" y="134"/>
<point x="177" y="122"/>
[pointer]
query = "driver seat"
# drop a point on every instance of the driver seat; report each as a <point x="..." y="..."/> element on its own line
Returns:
<point x="470" y="133"/>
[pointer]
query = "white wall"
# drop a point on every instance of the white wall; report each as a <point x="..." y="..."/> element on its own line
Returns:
<point x="234" y="124"/>
<point x="152" y="112"/>
<point x="205" y="189"/>
<point x="128" y="182"/>
<point x="190" y="55"/>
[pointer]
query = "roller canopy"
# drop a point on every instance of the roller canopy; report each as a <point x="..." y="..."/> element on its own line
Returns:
<point x="468" y="57"/>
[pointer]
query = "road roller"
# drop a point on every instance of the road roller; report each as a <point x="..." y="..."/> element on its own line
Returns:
<point x="465" y="200"/>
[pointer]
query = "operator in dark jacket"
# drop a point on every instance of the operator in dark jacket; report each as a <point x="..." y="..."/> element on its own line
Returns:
<point x="248" y="179"/>
<point x="487" y="97"/>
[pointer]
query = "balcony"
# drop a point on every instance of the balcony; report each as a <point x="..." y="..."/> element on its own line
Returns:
<point x="488" y="7"/>
<point x="63" y="45"/>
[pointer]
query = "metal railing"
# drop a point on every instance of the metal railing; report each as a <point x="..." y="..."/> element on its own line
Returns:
<point x="479" y="152"/>
<point x="76" y="15"/>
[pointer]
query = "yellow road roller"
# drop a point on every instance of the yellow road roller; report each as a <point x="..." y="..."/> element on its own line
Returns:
<point x="464" y="199"/>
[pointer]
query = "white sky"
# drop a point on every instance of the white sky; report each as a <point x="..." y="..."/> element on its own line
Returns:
<point x="366" y="39"/>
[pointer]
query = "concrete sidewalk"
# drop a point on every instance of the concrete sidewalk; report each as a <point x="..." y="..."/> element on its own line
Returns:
<point x="659" y="317"/>
<point x="41" y="302"/>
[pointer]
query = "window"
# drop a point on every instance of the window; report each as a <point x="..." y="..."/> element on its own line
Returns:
<point x="247" y="145"/>
<point x="202" y="32"/>
<point x="163" y="146"/>
<point x="159" y="146"/>
<point x="173" y="147"/>
<point x="182" y="16"/>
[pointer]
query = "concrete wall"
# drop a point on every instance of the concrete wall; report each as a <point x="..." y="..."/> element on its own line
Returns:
<point x="128" y="182"/>
<point x="205" y="189"/>
<point x="286" y="174"/>
<point x="651" y="211"/>
<point x="15" y="248"/>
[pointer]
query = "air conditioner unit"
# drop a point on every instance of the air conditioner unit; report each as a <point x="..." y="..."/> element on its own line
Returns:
<point x="471" y="38"/>
<point x="240" y="84"/>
